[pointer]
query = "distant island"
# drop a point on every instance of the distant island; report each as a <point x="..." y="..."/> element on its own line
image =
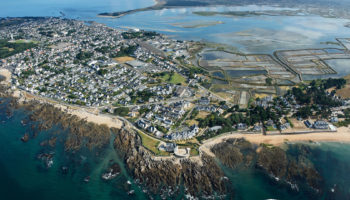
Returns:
<point x="168" y="4"/>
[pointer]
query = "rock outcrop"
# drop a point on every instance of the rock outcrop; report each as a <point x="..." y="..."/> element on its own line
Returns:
<point x="199" y="179"/>
<point x="275" y="161"/>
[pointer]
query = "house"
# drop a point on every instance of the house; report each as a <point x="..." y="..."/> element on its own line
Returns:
<point x="334" y="119"/>
<point x="320" y="125"/>
<point x="257" y="128"/>
<point x="110" y="109"/>
<point x="132" y="114"/>
<point x="241" y="126"/>
<point x="215" y="128"/>
<point x="158" y="134"/>
<point x="180" y="91"/>
<point x="168" y="147"/>
<point x="270" y="122"/>
<point x="142" y="124"/>
<point x="184" y="134"/>
<point x="151" y="129"/>
<point x="308" y="123"/>
<point x="285" y="126"/>
<point x="204" y="101"/>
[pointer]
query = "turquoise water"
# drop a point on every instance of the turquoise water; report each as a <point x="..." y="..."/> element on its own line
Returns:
<point x="23" y="176"/>
<point x="332" y="161"/>
<point x="72" y="8"/>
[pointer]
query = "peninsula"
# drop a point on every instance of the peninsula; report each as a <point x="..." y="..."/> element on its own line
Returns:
<point x="168" y="107"/>
<point x="320" y="7"/>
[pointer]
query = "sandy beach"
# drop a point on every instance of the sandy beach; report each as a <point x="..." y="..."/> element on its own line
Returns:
<point x="342" y="135"/>
<point x="100" y="119"/>
<point x="6" y="73"/>
<point x="90" y="115"/>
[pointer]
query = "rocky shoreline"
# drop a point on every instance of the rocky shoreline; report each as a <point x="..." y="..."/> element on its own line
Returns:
<point x="279" y="164"/>
<point x="166" y="177"/>
<point x="205" y="179"/>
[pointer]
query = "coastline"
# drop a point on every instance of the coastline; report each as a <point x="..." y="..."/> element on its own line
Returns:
<point x="90" y="115"/>
<point x="341" y="136"/>
<point x="196" y="174"/>
<point x="158" y="5"/>
<point x="7" y="74"/>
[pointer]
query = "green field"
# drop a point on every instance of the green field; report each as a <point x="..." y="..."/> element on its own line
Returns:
<point x="194" y="148"/>
<point x="270" y="128"/>
<point x="152" y="144"/>
<point x="8" y="48"/>
<point x="23" y="41"/>
<point x="174" y="78"/>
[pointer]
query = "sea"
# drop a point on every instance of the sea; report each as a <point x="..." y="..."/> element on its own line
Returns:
<point x="249" y="34"/>
<point x="24" y="176"/>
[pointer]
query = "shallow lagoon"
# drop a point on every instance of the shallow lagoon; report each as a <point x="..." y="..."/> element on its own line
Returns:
<point x="240" y="73"/>
<point x="341" y="66"/>
<point x="250" y="34"/>
<point x="253" y="34"/>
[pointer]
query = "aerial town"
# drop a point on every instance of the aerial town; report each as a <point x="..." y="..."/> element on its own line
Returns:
<point x="176" y="92"/>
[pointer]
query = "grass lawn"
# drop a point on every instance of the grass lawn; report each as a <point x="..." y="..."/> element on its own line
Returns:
<point x="270" y="128"/>
<point x="152" y="144"/>
<point x="24" y="41"/>
<point x="202" y="114"/>
<point x="192" y="122"/>
<point x="194" y="152"/>
<point x="194" y="148"/>
<point x="174" y="79"/>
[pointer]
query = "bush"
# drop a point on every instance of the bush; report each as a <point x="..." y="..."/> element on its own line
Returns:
<point x="122" y="111"/>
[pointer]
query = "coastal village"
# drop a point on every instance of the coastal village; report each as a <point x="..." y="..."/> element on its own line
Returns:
<point x="173" y="92"/>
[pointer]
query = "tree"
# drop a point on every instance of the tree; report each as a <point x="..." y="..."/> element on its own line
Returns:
<point x="122" y="111"/>
<point x="2" y="78"/>
<point x="102" y="72"/>
<point x="268" y="81"/>
<point x="304" y="112"/>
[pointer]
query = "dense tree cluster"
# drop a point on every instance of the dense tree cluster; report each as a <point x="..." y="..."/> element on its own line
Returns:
<point x="8" y="49"/>
<point x="140" y="34"/>
<point x="125" y="51"/>
<point x="104" y="49"/>
<point x="141" y="96"/>
<point x="121" y="111"/>
<point x="315" y="99"/>
<point x="82" y="55"/>
<point x="251" y="116"/>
